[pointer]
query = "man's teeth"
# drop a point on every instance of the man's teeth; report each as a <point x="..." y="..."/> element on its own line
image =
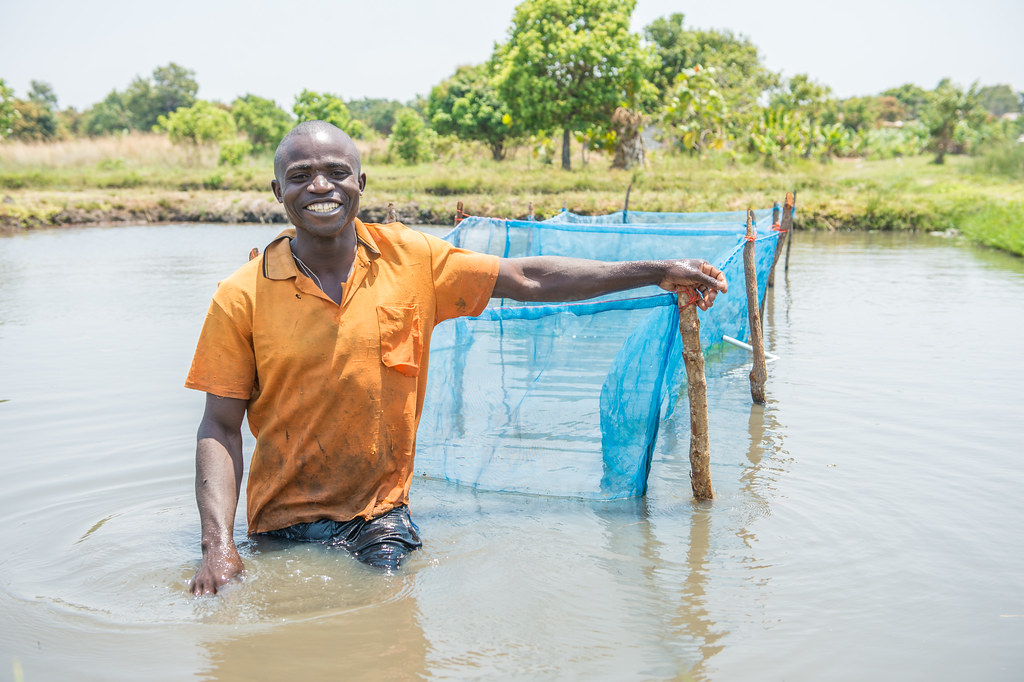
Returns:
<point x="323" y="207"/>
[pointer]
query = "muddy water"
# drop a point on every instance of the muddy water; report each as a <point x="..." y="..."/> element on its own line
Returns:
<point x="867" y="521"/>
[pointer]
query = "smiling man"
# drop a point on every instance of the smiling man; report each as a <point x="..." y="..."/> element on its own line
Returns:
<point x="323" y="341"/>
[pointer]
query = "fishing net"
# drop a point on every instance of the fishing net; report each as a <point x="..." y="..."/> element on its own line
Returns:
<point x="566" y="399"/>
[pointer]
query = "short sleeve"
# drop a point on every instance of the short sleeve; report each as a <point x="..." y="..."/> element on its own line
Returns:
<point x="224" y="363"/>
<point x="463" y="280"/>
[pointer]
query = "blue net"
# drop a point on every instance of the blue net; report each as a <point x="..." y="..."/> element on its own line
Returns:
<point x="566" y="399"/>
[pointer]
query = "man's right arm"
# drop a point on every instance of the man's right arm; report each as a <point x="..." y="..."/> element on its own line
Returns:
<point x="218" y="482"/>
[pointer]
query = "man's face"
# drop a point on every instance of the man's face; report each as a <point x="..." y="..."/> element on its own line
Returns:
<point x="319" y="182"/>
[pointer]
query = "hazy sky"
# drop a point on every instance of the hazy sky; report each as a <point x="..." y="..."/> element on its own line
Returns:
<point x="400" y="48"/>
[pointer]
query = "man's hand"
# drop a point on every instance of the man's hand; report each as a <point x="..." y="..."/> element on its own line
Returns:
<point x="218" y="481"/>
<point x="219" y="566"/>
<point x="694" y="274"/>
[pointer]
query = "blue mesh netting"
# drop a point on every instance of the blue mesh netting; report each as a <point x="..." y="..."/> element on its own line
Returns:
<point x="566" y="399"/>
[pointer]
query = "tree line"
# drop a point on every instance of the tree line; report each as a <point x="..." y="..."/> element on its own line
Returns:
<point x="569" y="70"/>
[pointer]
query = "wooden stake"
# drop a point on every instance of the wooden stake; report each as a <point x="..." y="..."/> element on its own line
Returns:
<point x="531" y="212"/>
<point x="390" y="216"/>
<point x="458" y="213"/>
<point x="776" y="212"/>
<point x="758" y="374"/>
<point x="776" y="225"/>
<point x="787" y="224"/>
<point x="625" y="205"/>
<point x="697" y="391"/>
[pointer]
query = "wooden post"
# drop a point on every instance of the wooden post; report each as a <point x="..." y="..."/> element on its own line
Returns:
<point x="787" y="224"/>
<point x="697" y="391"/>
<point x="390" y="216"/>
<point x="458" y="213"/>
<point x="625" y="205"/>
<point x="531" y="212"/>
<point x="783" y="227"/>
<point x="758" y="374"/>
<point x="776" y="212"/>
<point x="776" y="225"/>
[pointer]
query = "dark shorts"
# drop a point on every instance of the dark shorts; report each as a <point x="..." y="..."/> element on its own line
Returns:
<point x="381" y="542"/>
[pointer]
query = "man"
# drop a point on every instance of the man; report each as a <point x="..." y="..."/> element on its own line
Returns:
<point x="324" y="340"/>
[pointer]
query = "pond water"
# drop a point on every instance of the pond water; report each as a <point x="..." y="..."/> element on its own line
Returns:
<point x="867" y="520"/>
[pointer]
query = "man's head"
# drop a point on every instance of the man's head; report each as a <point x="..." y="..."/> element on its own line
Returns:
<point x="318" y="177"/>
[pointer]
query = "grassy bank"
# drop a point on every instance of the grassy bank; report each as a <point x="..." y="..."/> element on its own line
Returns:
<point x="144" y="178"/>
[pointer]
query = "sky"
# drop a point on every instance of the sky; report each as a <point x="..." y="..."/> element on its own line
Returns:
<point x="398" y="49"/>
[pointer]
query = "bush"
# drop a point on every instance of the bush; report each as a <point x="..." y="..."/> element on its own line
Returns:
<point x="889" y="143"/>
<point x="233" y="152"/>
<point x="409" y="140"/>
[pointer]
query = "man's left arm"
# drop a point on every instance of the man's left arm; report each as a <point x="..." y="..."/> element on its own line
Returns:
<point x="555" y="278"/>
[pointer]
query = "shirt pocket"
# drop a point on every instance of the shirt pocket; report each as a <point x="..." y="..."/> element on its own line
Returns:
<point x="401" y="340"/>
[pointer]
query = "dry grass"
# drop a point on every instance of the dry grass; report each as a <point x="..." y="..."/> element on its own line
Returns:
<point x="134" y="149"/>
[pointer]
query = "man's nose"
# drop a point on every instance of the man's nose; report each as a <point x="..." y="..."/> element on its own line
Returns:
<point x="320" y="183"/>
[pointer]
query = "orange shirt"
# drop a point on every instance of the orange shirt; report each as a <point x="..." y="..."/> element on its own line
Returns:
<point x="335" y="392"/>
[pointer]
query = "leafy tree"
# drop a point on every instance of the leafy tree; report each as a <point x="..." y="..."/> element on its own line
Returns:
<point x="37" y="116"/>
<point x="864" y="113"/>
<point x="740" y="76"/>
<point x="170" y="88"/>
<point x="467" y="106"/>
<point x="910" y="96"/>
<point x="42" y="94"/>
<point x="813" y="100"/>
<point x="313" y="106"/>
<point x="107" y="117"/>
<point x="409" y="140"/>
<point x="947" y="108"/>
<point x="35" y="122"/>
<point x="999" y="99"/>
<point x="695" y="114"/>
<point x="569" y="64"/>
<point x="263" y="122"/>
<point x="378" y="114"/>
<point x="202" y="123"/>
<point x="8" y="114"/>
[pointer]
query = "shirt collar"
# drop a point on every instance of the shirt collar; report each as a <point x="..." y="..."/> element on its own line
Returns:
<point x="277" y="257"/>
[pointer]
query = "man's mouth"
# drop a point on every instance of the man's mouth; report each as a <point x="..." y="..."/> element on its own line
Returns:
<point x="323" y="206"/>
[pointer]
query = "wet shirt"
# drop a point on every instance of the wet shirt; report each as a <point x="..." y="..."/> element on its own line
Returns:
<point x="335" y="392"/>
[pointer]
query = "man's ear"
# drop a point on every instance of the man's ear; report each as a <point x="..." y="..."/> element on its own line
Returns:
<point x="276" y="187"/>
<point x="362" y="182"/>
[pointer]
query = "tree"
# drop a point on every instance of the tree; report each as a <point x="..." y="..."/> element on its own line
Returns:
<point x="34" y="122"/>
<point x="313" y="106"/>
<point x="8" y="114"/>
<point x="378" y="114"/>
<point x="468" y="106"/>
<point x="740" y="77"/>
<point x="947" y="108"/>
<point x="999" y="99"/>
<point x="42" y="94"/>
<point x="813" y="100"/>
<point x="263" y="122"/>
<point x="910" y="96"/>
<point x="695" y="114"/>
<point x="408" y="139"/>
<point x="107" y="117"/>
<point x="202" y="123"/>
<point x="170" y="88"/>
<point x="569" y="64"/>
